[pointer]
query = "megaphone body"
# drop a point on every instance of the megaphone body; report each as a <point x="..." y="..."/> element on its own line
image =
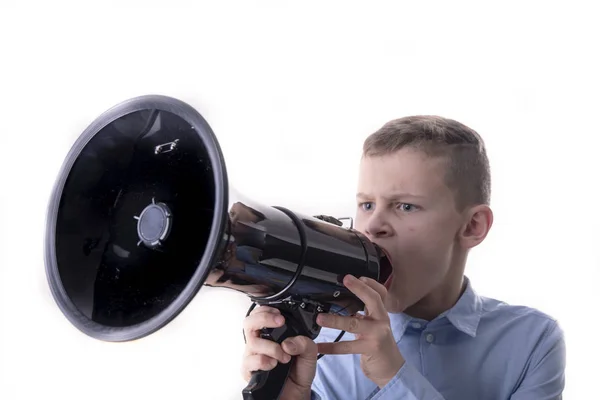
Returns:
<point x="142" y="215"/>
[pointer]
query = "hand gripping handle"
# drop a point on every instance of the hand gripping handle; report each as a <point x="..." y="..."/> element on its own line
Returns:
<point x="268" y="385"/>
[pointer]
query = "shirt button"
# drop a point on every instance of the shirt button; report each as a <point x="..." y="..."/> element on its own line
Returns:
<point x="416" y="325"/>
<point x="429" y="338"/>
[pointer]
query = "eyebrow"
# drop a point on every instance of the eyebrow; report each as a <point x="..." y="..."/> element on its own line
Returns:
<point x="392" y="196"/>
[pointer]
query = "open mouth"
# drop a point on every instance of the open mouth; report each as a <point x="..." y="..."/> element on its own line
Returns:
<point x="385" y="268"/>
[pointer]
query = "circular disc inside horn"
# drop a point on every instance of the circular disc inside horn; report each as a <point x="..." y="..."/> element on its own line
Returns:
<point x="136" y="218"/>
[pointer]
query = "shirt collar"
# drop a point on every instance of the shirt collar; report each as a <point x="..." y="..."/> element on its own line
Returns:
<point x="464" y="315"/>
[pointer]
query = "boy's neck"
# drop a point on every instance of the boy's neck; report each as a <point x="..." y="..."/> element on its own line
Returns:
<point x="441" y="299"/>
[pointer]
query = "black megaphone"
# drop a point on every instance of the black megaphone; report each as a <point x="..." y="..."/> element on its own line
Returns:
<point x="142" y="216"/>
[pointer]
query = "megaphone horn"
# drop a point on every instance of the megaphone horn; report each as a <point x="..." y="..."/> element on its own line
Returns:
<point x="142" y="216"/>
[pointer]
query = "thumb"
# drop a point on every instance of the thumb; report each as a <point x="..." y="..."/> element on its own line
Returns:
<point x="306" y="352"/>
<point x="300" y="346"/>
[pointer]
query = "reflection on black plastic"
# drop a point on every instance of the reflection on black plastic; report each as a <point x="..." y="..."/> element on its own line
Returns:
<point x="264" y="251"/>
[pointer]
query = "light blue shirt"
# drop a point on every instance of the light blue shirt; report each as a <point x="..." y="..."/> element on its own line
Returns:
<point x="481" y="349"/>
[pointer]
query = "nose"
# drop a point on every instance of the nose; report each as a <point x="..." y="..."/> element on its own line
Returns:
<point x="378" y="227"/>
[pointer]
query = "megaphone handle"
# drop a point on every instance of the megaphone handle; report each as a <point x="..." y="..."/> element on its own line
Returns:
<point x="268" y="385"/>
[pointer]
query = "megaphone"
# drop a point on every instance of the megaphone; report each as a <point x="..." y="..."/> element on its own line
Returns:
<point x="142" y="216"/>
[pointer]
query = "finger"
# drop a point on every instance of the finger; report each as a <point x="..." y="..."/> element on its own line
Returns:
<point x="352" y="324"/>
<point x="266" y="319"/>
<point x="261" y="309"/>
<point x="378" y="287"/>
<point x="268" y="348"/>
<point x="346" y="347"/>
<point x="257" y="362"/>
<point x="368" y="295"/>
<point x="300" y="346"/>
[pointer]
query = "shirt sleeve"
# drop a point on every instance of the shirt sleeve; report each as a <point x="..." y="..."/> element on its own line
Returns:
<point x="545" y="377"/>
<point x="408" y="384"/>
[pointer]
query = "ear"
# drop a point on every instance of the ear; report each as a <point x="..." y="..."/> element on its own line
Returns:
<point x="478" y="222"/>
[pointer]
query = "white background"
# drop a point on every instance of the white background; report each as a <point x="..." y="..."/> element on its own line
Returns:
<point x="313" y="79"/>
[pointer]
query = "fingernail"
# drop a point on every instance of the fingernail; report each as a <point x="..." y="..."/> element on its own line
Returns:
<point x="321" y="318"/>
<point x="279" y="320"/>
<point x="350" y="279"/>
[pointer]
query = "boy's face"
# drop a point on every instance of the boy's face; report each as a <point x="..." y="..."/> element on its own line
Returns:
<point x="404" y="205"/>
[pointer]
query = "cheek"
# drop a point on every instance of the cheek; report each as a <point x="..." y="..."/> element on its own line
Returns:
<point x="435" y="231"/>
<point x="425" y="246"/>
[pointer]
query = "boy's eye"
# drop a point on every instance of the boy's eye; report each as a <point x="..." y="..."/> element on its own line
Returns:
<point x="406" y="207"/>
<point x="367" y="206"/>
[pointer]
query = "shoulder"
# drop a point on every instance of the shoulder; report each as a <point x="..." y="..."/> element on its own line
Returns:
<point x="526" y="340"/>
<point x="522" y="324"/>
<point x="504" y="312"/>
<point x="522" y="340"/>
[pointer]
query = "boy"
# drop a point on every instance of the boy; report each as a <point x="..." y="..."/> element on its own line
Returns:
<point x="423" y="195"/>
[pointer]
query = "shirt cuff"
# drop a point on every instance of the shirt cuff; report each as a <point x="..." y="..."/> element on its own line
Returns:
<point x="407" y="384"/>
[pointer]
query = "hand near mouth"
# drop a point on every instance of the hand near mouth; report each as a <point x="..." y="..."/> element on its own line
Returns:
<point x="380" y="357"/>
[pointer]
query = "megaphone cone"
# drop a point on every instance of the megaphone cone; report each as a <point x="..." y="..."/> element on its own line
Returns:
<point x="142" y="216"/>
